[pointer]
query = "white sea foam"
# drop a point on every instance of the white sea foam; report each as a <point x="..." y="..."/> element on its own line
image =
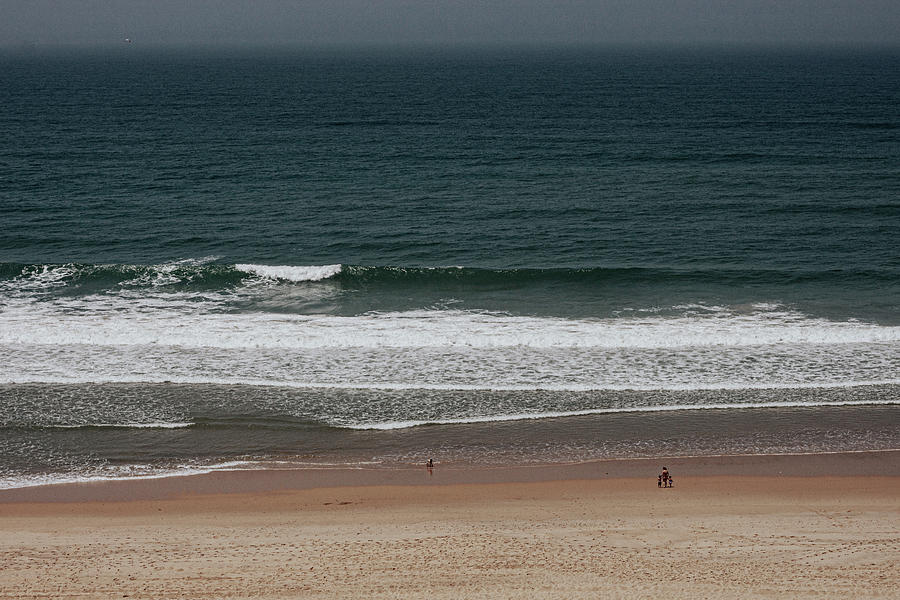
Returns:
<point x="164" y="325"/>
<point x="121" y="472"/>
<point x="127" y="425"/>
<point x="39" y="279"/>
<point x="639" y="383"/>
<point x="288" y="273"/>
<point x="132" y="472"/>
<point x="512" y="368"/>
<point x="161" y="275"/>
<point x="387" y="425"/>
<point x="265" y="355"/>
<point x="193" y="337"/>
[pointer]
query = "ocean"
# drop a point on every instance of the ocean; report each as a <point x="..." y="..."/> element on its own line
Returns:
<point x="296" y="258"/>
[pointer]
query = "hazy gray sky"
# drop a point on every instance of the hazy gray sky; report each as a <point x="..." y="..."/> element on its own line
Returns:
<point x="152" y="22"/>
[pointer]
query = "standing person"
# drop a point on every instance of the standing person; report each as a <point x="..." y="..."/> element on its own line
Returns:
<point x="665" y="477"/>
<point x="430" y="466"/>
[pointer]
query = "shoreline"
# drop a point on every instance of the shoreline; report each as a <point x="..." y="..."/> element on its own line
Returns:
<point x="875" y="463"/>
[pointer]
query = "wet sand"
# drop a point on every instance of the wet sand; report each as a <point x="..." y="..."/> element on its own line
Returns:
<point x="732" y="527"/>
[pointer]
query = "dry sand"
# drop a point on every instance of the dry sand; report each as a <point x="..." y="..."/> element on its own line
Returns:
<point x="731" y="528"/>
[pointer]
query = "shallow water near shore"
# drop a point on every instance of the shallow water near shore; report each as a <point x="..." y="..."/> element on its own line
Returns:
<point x="85" y="432"/>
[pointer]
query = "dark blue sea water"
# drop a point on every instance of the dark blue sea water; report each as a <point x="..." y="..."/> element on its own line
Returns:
<point x="371" y="257"/>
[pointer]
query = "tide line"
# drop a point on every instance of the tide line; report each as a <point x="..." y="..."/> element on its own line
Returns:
<point x="386" y="425"/>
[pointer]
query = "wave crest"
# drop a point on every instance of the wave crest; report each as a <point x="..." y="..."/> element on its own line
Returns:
<point x="289" y="273"/>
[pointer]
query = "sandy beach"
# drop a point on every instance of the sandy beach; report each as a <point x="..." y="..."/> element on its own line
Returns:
<point x="816" y="526"/>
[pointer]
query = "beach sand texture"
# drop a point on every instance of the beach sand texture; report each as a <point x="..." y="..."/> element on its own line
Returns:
<point x="709" y="537"/>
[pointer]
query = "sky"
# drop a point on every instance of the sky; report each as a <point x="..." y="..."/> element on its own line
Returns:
<point x="449" y="22"/>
